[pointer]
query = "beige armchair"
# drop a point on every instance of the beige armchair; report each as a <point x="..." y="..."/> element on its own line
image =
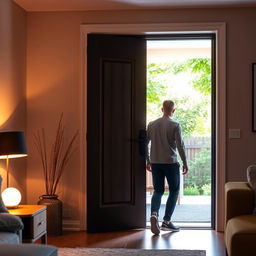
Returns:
<point x="240" y="224"/>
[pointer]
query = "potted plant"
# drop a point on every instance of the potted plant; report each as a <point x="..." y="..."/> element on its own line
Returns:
<point x="54" y="165"/>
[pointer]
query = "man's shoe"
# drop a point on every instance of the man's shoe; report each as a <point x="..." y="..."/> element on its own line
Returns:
<point x="154" y="224"/>
<point x="169" y="227"/>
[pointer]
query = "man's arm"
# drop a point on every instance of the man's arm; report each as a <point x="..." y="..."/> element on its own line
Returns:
<point x="181" y="148"/>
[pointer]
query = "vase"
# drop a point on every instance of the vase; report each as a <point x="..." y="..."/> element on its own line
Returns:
<point x="54" y="214"/>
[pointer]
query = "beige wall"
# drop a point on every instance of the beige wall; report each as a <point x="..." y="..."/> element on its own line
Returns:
<point x="53" y="55"/>
<point x="13" y="84"/>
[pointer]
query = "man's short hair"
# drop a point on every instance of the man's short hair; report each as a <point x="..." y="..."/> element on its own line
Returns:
<point x="168" y="105"/>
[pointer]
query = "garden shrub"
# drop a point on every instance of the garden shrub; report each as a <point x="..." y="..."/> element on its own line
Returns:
<point x="191" y="191"/>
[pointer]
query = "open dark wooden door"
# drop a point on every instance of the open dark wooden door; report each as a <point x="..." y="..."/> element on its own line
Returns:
<point x="116" y="120"/>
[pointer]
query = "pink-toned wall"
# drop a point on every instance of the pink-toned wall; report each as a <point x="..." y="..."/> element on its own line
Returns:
<point x="53" y="73"/>
<point x="13" y="84"/>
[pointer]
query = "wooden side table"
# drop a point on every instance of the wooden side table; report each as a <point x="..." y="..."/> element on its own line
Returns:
<point x="34" y="220"/>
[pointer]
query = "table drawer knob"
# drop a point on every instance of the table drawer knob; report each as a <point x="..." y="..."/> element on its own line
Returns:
<point x="40" y="223"/>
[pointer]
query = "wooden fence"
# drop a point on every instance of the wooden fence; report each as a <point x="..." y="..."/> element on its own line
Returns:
<point x="193" y="145"/>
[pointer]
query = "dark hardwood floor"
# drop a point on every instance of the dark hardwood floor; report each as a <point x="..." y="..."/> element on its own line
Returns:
<point x="209" y="240"/>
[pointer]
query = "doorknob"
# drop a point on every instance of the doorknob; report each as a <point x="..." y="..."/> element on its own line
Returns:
<point x="142" y="140"/>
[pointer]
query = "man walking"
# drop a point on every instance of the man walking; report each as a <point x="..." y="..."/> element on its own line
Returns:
<point x="165" y="137"/>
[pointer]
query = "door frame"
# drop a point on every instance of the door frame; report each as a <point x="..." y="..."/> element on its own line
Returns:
<point x="219" y="29"/>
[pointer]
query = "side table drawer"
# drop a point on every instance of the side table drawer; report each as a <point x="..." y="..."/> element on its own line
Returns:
<point x="34" y="220"/>
<point x="39" y="223"/>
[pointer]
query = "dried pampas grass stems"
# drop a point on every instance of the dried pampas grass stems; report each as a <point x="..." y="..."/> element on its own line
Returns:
<point x="59" y="156"/>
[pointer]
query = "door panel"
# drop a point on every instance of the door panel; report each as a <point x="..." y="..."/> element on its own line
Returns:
<point x="117" y="124"/>
<point x="116" y="114"/>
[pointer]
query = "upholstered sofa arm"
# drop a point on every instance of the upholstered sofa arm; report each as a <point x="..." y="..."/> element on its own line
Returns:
<point x="239" y="200"/>
<point x="10" y="223"/>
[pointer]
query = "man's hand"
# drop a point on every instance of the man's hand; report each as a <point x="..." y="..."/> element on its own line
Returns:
<point x="148" y="167"/>
<point x="184" y="170"/>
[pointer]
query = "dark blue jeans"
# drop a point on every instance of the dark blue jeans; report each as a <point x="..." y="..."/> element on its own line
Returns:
<point x="172" y="174"/>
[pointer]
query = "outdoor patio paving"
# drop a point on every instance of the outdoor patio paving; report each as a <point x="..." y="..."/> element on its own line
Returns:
<point x="195" y="209"/>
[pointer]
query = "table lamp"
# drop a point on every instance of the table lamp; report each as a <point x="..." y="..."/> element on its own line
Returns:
<point x="12" y="145"/>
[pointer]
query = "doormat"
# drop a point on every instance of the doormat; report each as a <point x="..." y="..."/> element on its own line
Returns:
<point x="126" y="252"/>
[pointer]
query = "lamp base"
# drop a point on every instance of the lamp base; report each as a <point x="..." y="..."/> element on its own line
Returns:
<point x="12" y="207"/>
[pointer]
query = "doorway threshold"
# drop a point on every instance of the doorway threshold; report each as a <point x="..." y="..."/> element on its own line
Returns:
<point x="189" y="225"/>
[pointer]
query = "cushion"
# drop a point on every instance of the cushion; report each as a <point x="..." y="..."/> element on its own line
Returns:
<point x="239" y="199"/>
<point x="9" y="238"/>
<point x="2" y="206"/>
<point x="251" y="177"/>
<point x="10" y="223"/>
<point x="27" y="250"/>
<point x="240" y="236"/>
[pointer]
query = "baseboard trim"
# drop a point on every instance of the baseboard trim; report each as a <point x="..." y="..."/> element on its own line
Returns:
<point x="71" y="225"/>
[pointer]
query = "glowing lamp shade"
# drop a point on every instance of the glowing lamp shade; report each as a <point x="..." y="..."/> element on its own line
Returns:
<point x="12" y="145"/>
<point x="11" y="197"/>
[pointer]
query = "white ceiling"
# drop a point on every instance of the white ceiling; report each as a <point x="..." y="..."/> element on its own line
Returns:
<point x="79" y="5"/>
